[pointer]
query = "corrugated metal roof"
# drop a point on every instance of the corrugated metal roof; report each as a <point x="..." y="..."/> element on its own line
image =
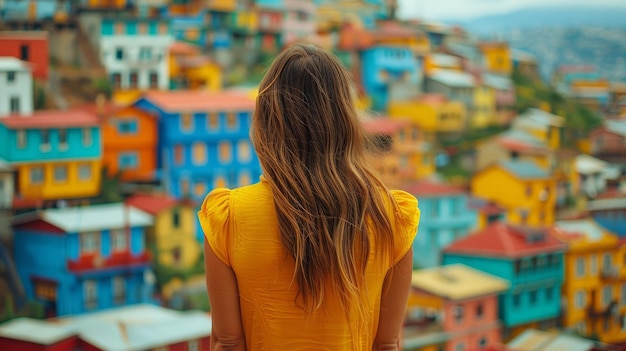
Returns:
<point x="192" y="101"/>
<point x="497" y="82"/>
<point x="35" y="331"/>
<point x="89" y="218"/>
<point x="8" y="63"/>
<point x="537" y="340"/>
<point x="457" y="282"/>
<point x="453" y="78"/>
<point x="525" y="169"/>
<point x="585" y="227"/>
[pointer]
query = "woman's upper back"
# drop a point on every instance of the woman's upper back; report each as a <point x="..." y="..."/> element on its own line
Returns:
<point x="242" y="229"/>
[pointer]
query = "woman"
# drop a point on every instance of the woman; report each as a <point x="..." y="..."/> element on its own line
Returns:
<point x="317" y="255"/>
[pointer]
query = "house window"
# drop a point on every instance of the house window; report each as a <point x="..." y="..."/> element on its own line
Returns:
<point x="89" y="242"/>
<point x="607" y="295"/>
<point x="184" y="187"/>
<point x="162" y="28"/>
<point x="178" y="154"/>
<point x="479" y="311"/>
<point x="532" y="296"/>
<point x="128" y="160"/>
<point x="36" y="175"/>
<point x="60" y="173"/>
<point x="154" y="80"/>
<point x="90" y="291"/>
<point x="212" y="121"/>
<point x="192" y="345"/>
<point x="134" y="80"/>
<point x="24" y="52"/>
<point x="433" y="238"/>
<point x="119" y="290"/>
<point x="119" y="28"/>
<point x="176" y="255"/>
<point x="231" y="120"/>
<point x="434" y="208"/>
<point x="119" y="54"/>
<point x="14" y="104"/>
<point x="593" y="264"/>
<point x="87" y="139"/>
<point x="145" y="54"/>
<point x="244" y="178"/>
<point x="580" y="267"/>
<point x="225" y="152"/>
<point x="84" y="171"/>
<point x="549" y="293"/>
<point x="199" y="188"/>
<point x="529" y="190"/>
<point x="186" y="121"/>
<point x="457" y="313"/>
<point x="127" y="126"/>
<point x="244" y="152"/>
<point x="219" y="182"/>
<point x="45" y="140"/>
<point x="118" y="240"/>
<point x="176" y="218"/>
<point x="117" y="80"/>
<point x="21" y="139"/>
<point x="623" y="294"/>
<point x="517" y="299"/>
<point x="142" y="28"/>
<point x="63" y="139"/>
<point x="199" y="153"/>
<point x="482" y="343"/>
<point x="579" y="299"/>
<point x="607" y="261"/>
<point x="10" y="76"/>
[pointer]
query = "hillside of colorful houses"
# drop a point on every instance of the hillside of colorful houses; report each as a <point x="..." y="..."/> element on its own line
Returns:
<point x="117" y="117"/>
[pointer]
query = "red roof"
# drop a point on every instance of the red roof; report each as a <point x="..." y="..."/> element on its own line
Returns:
<point x="612" y="194"/>
<point x="185" y="100"/>
<point x="51" y="119"/>
<point x="520" y="146"/>
<point x="487" y="207"/>
<point x="152" y="203"/>
<point x="383" y="125"/>
<point x="432" y="98"/>
<point x="505" y="240"/>
<point x="182" y="48"/>
<point x="107" y="109"/>
<point x="430" y="188"/>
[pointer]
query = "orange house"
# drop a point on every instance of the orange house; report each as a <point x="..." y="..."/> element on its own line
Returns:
<point x="129" y="139"/>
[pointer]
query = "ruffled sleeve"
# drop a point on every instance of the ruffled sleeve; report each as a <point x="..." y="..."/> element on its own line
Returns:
<point x="407" y="221"/>
<point x="214" y="216"/>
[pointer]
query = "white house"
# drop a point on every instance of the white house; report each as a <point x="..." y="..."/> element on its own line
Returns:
<point x="7" y="184"/>
<point x="134" y="51"/>
<point x="16" y="87"/>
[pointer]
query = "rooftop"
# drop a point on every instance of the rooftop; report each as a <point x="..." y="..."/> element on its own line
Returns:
<point x="586" y="164"/>
<point x="383" y="125"/>
<point x="453" y="78"/>
<point x="607" y="204"/>
<point x="75" y="117"/>
<point x="537" y="340"/>
<point x="192" y="100"/>
<point x="616" y="126"/>
<point x="153" y="203"/>
<point x="537" y="118"/>
<point x="9" y="63"/>
<point x="497" y="82"/>
<point x="457" y="282"/>
<point x="508" y="241"/>
<point x="579" y="228"/>
<point x="21" y="34"/>
<point x="183" y="48"/>
<point x="427" y="188"/>
<point x="444" y="60"/>
<point x="524" y="169"/>
<point x="520" y="140"/>
<point x="89" y="218"/>
<point x="35" y="331"/>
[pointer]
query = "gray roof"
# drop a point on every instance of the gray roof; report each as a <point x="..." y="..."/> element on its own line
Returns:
<point x="523" y="136"/>
<point x="536" y="118"/>
<point x="90" y="218"/>
<point x="538" y="340"/>
<point x="586" y="227"/>
<point x="453" y="78"/>
<point x="617" y="127"/>
<point x="445" y="60"/>
<point x="607" y="204"/>
<point x="525" y="169"/>
<point x="13" y="64"/>
<point x="497" y="82"/>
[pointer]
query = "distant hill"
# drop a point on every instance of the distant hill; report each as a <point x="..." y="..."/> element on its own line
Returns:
<point x="548" y="16"/>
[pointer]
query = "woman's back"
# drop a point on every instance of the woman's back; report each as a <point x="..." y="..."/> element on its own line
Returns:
<point x="242" y="229"/>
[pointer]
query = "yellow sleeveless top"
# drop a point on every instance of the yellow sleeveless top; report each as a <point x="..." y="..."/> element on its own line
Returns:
<point x="242" y="229"/>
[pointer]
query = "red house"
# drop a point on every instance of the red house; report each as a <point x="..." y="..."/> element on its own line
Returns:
<point x="28" y="46"/>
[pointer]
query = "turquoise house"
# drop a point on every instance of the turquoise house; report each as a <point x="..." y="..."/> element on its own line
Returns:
<point x="530" y="259"/>
<point x="445" y="218"/>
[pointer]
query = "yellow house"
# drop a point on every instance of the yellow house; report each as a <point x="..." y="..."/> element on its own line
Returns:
<point x="433" y="113"/>
<point x="484" y="110"/>
<point x="189" y="69"/>
<point x="435" y="61"/>
<point x="108" y="4"/>
<point x="525" y="190"/>
<point x="543" y="125"/>
<point x="594" y="289"/>
<point x="497" y="57"/>
<point x="172" y="238"/>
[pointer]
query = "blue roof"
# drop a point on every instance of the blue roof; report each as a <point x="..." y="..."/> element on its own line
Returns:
<point x="524" y="169"/>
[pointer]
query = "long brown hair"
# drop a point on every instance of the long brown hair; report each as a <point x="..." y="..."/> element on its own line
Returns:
<point x="310" y="144"/>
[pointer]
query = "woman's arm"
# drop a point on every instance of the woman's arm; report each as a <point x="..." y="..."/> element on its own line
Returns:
<point x="227" y="333"/>
<point x="393" y="304"/>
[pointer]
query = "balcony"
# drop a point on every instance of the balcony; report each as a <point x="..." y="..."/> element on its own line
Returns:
<point x="95" y="262"/>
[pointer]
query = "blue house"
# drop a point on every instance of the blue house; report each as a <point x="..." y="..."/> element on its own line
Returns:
<point x="610" y="212"/>
<point x="388" y="71"/>
<point x="190" y="29"/>
<point x="445" y="218"/>
<point x="530" y="259"/>
<point x="81" y="259"/>
<point x="203" y="142"/>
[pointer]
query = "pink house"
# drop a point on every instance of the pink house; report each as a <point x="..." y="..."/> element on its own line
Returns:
<point x="454" y="307"/>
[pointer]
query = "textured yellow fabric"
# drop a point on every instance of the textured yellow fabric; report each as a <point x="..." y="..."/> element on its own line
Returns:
<point x="242" y="229"/>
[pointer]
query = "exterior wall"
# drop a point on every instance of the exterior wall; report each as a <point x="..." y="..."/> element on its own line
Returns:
<point x="447" y="117"/>
<point x="50" y="188"/>
<point x="21" y="88"/>
<point x="127" y="36"/>
<point x="36" y="45"/>
<point x="444" y="220"/>
<point x="7" y="190"/>
<point x="484" y="111"/>
<point x="170" y="237"/>
<point x="490" y="152"/>
<point x="517" y="195"/>
<point x="464" y="95"/>
<point x="497" y="58"/>
<point x="606" y="142"/>
<point x="139" y="142"/>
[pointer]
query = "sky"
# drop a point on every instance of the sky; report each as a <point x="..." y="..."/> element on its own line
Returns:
<point x="466" y="9"/>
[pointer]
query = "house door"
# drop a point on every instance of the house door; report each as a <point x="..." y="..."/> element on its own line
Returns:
<point x="46" y="292"/>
